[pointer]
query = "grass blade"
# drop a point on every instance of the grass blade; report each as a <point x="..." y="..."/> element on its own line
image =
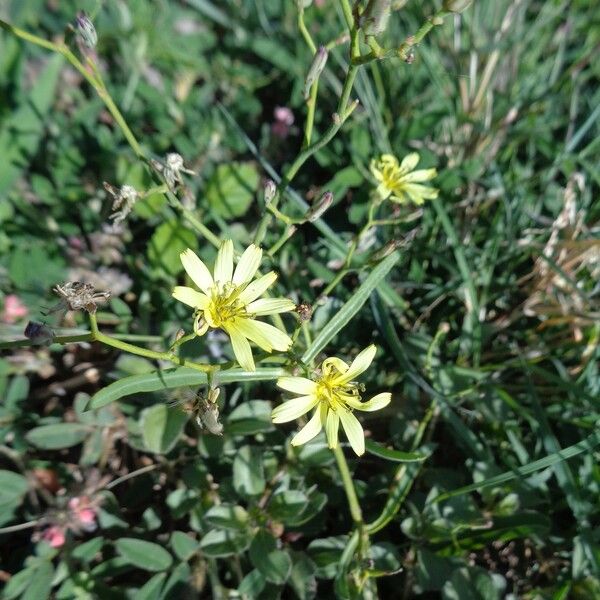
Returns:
<point x="345" y="315"/>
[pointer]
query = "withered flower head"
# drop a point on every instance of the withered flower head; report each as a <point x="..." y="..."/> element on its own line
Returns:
<point x="123" y="200"/>
<point x="76" y="295"/>
<point x="304" y="311"/>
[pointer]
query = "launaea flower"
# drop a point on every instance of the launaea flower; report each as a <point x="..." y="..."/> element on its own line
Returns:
<point x="400" y="182"/>
<point x="333" y="395"/>
<point x="230" y="300"/>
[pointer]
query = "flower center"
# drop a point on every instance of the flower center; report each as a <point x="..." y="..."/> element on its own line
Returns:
<point x="336" y="395"/>
<point x="225" y="304"/>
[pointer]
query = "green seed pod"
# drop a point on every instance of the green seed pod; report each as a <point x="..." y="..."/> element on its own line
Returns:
<point x="456" y="6"/>
<point x="376" y="17"/>
<point x="85" y="30"/>
<point x="316" y="68"/>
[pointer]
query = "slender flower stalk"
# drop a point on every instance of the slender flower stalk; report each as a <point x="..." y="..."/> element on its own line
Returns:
<point x="230" y="300"/>
<point x="334" y="395"/>
<point x="400" y="182"/>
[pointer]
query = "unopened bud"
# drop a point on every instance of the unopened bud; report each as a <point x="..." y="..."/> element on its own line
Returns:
<point x="456" y="6"/>
<point x="320" y="207"/>
<point x="316" y="68"/>
<point x="85" y="30"/>
<point x="302" y="4"/>
<point x="38" y="333"/>
<point x="269" y="191"/>
<point x="213" y="394"/>
<point x="376" y="17"/>
<point x="386" y="250"/>
<point x="180" y="333"/>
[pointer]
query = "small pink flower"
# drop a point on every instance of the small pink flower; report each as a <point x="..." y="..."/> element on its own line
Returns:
<point x="55" y="536"/>
<point x="284" y="119"/>
<point x="14" y="309"/>
<point x="83" y="512"/>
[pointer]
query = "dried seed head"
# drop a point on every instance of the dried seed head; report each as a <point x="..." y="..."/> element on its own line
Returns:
<point x="319" y="207"/>
<point x="38" y="333"/>
<point x="316" y="68"/>
<point x="124" y="199"/>
<point x="76" y="295"/>
<point x="208" y="415"/>
<point x="173" y="169"/>
<point x="376" y="17"/>
<point x="304" y="311"/>
<point x="86" y="33"/>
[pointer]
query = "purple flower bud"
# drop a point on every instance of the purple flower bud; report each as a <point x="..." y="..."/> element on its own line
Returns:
<point x="85" y="30"/>
<point x="38" y="333"/>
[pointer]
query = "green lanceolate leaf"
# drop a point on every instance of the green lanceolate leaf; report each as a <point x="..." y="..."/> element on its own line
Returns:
<point x="58" y="435"/>
<point x="349" y="310"/>
<point x="180" y="377"/>
<point x="391" y="454"/>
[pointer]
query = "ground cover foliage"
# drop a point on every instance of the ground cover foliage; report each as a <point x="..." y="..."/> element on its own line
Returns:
<point x="480" y="477"/>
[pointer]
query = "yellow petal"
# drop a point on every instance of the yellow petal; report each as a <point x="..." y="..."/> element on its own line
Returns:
<point x="292" y="409"/>
<point x="297" y="385"/>
<point x="224" y="263"/>
<point x="409" y="162"/>
<point x="375" y="403"/>
<point x="332" y="425"/>
<point x="354" y="431"/>
<point x="270" y="306"/>
<point x="256" y="288"/>
<point x="197" y="270"/>
<point x="248" y="265"/>
<point x="264" y="335"/>
<point x="190" y="297"/>
<point x="241" y="349"/>
<point x="420" y="175"/>
<point x="310" y="430"/>
<point x="360" y="364"/>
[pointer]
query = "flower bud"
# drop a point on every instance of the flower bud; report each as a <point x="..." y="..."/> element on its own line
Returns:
<point x="316" y="68"/>
<point x="85" y="30"/>
<point x="319" y="207"/>
<point x="456" y="6"/>
<point x="269" y="191"/>
<point x="376" y="17"/>
<point x="390" y="247"/>
<point x="39" y="333"/>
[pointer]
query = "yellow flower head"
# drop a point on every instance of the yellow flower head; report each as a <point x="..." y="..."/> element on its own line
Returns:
<point x="400" y="182"/>
<point x="229" y="300"/>
<point x="334" y="395"/>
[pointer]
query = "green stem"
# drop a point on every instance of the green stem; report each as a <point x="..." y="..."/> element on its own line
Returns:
<point x="355" y="510"/>
<point x="125" y="347"/>
<point x="305" y="33"/>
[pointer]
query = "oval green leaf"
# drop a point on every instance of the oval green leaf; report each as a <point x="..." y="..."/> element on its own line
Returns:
<point x="144" y="555"/>
<point x="58" y="435"/>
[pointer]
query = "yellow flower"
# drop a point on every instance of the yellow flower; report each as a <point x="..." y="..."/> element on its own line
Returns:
<point x="400" y="182"/>
<point x="228" y="300"/>
<point x="334" y="395"/>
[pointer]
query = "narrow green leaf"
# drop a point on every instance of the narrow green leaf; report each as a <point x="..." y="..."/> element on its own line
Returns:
<point x="586" y="445"/>
<point x="182" y="376"/>
<point x="347" y="312"/>
<point x="391" y="454"/>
